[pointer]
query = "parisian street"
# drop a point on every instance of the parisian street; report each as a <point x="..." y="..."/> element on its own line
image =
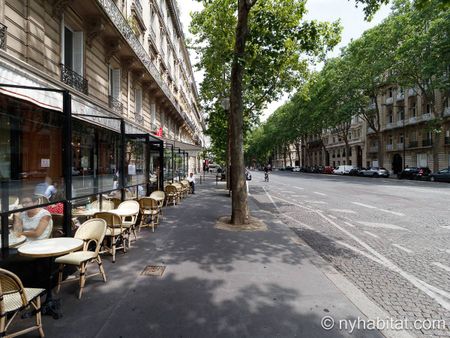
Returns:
<point x="389" y="237"/>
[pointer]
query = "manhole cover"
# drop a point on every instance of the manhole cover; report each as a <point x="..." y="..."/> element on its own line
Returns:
<point x="153" y="270"/>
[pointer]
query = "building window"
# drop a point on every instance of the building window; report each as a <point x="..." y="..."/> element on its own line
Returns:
<point x="73" y="50"/>
<point x="138" y="104"/>
<point x="390" y="92"/>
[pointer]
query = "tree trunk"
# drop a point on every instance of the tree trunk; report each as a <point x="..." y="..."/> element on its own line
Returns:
<point x="297" y="150"/>
<point x="347" y="148"/>
<point x="239" y="205"/>
<point x="380" y="149"/>
<point x="284" y="155"/>
<point x="290" y="155"/>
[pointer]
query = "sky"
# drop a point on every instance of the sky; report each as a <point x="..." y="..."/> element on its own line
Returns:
<point x="352" y="20"/>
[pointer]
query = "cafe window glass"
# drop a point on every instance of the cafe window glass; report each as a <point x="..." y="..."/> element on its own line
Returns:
<point x="135" y="159"/>
<point x="30" y="152"/>
<point x="95" y="159"/>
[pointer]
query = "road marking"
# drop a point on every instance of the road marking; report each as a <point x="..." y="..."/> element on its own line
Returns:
<point x="403" y="248"/>
<point x="371" y="234"/>
<point x="317" y="202"/>
<point x="384" y="210"/>
<point x="349" y="224"/>
<point x="320" y="193"/>
<point x="442" y="266"/>
<point x="300" y="188"/>
<point x="360" y="252"/>
<point x="382" y="225"/>
<point x="345" y="211"/>
<point x="284" y="215"/>
<point x="333" y="217"/>
<point x="441" y="296"/>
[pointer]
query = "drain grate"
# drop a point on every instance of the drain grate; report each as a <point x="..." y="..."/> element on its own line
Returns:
<point x="153" y="270"/>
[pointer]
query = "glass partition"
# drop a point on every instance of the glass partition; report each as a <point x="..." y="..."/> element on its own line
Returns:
<point x="30" y="153"/>
<point x="95" y="159"/>
<point x="168" y="163"/>
<point x="135" y="160"/>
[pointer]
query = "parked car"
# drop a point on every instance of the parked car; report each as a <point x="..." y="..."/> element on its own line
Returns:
<point x="342" y="170"/>
<point x="296" y="169"/>
<point x="442" y="175"/>
<point x="327" y="170"/>
<point x="374" y="172"/>
<point x="414" y="173"/>
<point x="355" y="171"/>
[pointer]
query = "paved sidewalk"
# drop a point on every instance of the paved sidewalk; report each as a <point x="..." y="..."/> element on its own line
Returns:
<point x="216" y="283"/>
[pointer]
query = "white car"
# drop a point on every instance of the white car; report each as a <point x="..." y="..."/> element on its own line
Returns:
<point x="296" y="169"/>
<point x="342" y="170"/>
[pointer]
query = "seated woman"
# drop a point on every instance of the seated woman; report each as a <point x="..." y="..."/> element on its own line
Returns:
<point x="34" y="223"/>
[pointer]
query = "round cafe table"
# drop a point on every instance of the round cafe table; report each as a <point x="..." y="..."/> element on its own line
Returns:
<point x="50" y="248"/>
<point x="14" y="241"/>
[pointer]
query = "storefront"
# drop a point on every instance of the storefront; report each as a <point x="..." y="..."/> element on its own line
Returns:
<point x="68" y="154"/>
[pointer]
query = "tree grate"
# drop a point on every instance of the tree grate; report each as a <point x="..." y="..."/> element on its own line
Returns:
<point x="153" y="270"/>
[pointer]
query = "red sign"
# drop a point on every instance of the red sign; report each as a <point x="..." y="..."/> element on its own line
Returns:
<point x="159" y="132"/>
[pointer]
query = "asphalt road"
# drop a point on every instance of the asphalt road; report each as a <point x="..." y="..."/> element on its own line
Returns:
<point x="389" y="237"/>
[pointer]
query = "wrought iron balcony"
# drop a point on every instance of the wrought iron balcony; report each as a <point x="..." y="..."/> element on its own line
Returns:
<point x="413" y="144"/>
<point x="426" y="117"/>
<point x="3" y="35"/>
<point x="116" y="105"/>
<point x="139" y="117"/>
<point x="427" y="143"/>
<point x="71" y="78"/>
<point x="447" y="111"/>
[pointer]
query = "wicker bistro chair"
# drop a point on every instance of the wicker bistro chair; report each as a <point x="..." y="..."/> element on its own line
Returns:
<point x="14" y="298"/>
<point x="132" y="209"/>
<point x="180" y="190"/>
<point x="160" y="197"/>
<point x="115" y="232"/>
<point x="149" y="212"/>
<point x="106" y="205"/>
<point x="186" y="186"/>
<point x="171" y="193"/>
<point x="91" y="231"/>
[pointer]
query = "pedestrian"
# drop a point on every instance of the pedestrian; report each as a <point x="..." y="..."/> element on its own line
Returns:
<point x="191" y="180"/>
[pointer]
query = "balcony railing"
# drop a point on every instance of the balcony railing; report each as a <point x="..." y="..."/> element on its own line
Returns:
<point x="447" y="140"/>
<point x="400" y="123"/>
<point x="412" y="119"/>
<point x="426" y="117"/>
<point x="413" y="144"/>
<point x="427" y="143"/>
<point x="139" y="117"/>
<point x="373" y="149"/>
<point x="389" y="125"/>
<point x="400" y="146"/>
<point x="447" y="111"/>
<point x="3" y="35"/>
<point x="389" y="147"/>
<point x="71" y="78"/>
<point x="115" y="105"/>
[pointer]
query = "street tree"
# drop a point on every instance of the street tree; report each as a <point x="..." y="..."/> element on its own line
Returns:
<point x="271" y="47"/>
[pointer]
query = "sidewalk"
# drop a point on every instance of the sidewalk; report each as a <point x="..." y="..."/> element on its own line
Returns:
<point x="216" y="283"/>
